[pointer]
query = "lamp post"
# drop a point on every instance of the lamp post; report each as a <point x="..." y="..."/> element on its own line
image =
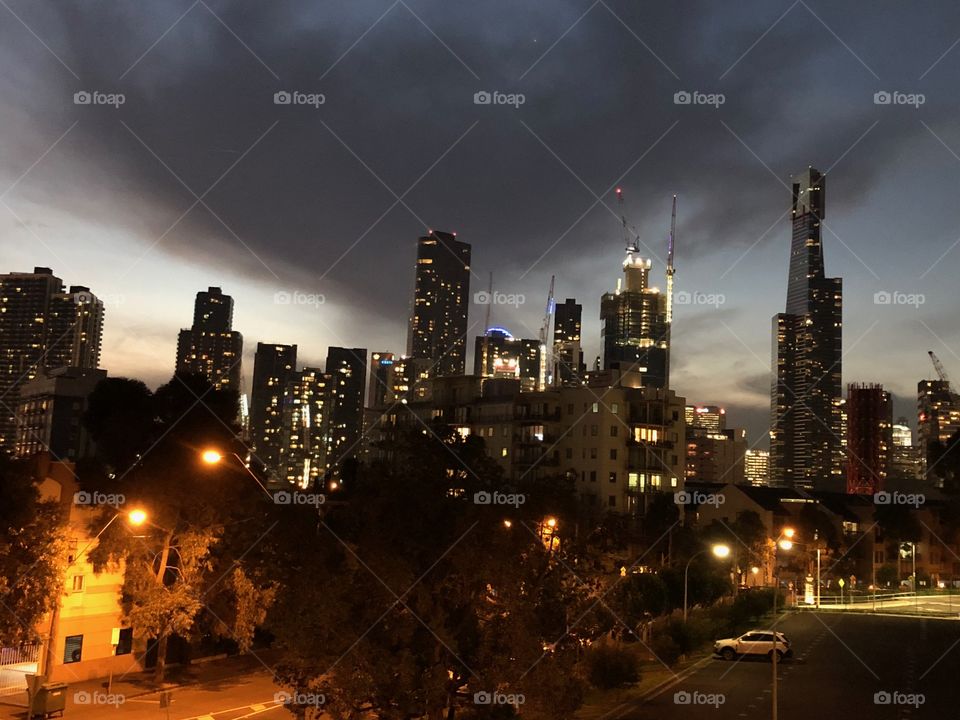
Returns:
<point x="214" y="457"/>
<point x="719" y="550"/>
<point x="136" y="518"/>
<point x="783" y="542"/>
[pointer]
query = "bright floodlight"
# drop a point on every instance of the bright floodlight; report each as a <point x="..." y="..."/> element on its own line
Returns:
<point x="551" y="522"/>
<point x="137" y="517"/>
<point x="211" y="457"/>
<point x="721" y="551"/>
<point x="788" y="532"/>
<point x="786" y="544"/>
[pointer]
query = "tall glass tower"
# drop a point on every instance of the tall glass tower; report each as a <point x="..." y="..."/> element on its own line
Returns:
<point x="806" y="396"/>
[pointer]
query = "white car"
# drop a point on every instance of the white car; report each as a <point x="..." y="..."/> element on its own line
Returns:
<point x="756" y="642"/>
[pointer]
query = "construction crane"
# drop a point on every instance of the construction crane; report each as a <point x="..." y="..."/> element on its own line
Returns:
<point x="938" y="366"/>
<point x="630" y="245"/>
<point x="670" y="270"/>
<point x="545" y="360"/>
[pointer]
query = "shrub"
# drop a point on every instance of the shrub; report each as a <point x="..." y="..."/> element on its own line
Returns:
<point x="611" y="666"/>
<point x="666" y="649"/>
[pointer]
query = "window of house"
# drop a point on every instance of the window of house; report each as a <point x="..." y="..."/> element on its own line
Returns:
<point x="594" y="430"/>
<point x="593" y="476"/>
<point x="613" y="431"/>
<point x="613" y="453"/>
<point x="72" y="649"/>
<point x="593" y="453"/>
<point x="503" y="452"/>
<point x="612" y="501"/>
<point x="614" y="408"/>
<point x="125" y="646"/>
<point x="77" y="583"/>
<point x="596" y="407"/>
<point x="569" y="453"/>
<point x="613" y="476"/>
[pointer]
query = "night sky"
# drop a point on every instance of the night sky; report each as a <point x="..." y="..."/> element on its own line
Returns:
<point x="200" y="179"/>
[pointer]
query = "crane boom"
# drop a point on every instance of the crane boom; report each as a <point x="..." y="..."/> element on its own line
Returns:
<point x="545" y="361"/>
<point x="938" y="366"/>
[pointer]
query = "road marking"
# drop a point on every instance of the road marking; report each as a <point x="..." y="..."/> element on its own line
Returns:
<point x="257" y="707"/>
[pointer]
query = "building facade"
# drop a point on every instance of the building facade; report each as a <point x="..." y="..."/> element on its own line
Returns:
<point x="438" y="326"/>
<point x="806" y="447"/>
<point x="634" y="326"/>
<point x="50" y="414"/>
<point x="42" y="328"/>
<point x="567" y="348"/>
<point x="273" y="367"/>
<point x="347" y="368"/>
<point x="498" y="354"/>
<point x="211" y="347"/>
<point x="307" y="409"/>
<point x="869" y="438"/>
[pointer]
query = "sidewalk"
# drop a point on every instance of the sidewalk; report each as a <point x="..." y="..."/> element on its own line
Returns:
<point x="141" y="684"/>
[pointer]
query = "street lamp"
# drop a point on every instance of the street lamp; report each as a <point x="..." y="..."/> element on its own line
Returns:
<point x="784" y="542"/>
<point x="135" y="517"/>
<point x="719" y="550"/>
<point x="211" y="456"/>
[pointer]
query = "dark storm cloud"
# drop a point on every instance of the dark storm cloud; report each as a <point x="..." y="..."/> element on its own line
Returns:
<point x="307" y="197"/>
<point x="398" y="99"/>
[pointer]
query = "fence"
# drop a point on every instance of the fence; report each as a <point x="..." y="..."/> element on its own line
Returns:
<point x="15" y="664"/>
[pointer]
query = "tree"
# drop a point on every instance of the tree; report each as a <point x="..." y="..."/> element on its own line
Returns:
<point x="32" y="554"/>
<point x="414" y="597"/>
<point x="200" y="518"/>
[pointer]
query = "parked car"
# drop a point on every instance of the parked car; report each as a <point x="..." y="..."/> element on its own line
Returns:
<point x="756" y="642"/>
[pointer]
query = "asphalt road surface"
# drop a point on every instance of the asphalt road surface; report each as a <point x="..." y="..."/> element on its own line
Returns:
<point x="844" y="666"/>
<point x="249" y="696"/>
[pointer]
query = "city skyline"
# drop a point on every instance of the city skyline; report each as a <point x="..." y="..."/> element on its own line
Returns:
<point x="94" y="192"/>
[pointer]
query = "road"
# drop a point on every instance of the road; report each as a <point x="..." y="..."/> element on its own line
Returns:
<point x="929" y="604"/>
<point x="247" y="696"/>
<point x="841" y="661"/>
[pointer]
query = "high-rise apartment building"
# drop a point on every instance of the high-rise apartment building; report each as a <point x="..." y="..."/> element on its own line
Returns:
<point x="305" y="421"/>
<point x="498" y="354"/>
<point x="635" y="332"/>
<point x="907" y="461"/>
<point x="50" y="413"/>
<point x="437" y="339"/>
<point x="756" y="467"/>
<point x="938" y="412"/>
<point x="273" y="366"/>
<point x="211" y="347"/>
<point x="869" y="438"/>
<point x="380" y="393"/>
<point x="567" y="347"/>
<point x="41" y="328"/>
<point x="806" y="447"/>
<point x="347" y="369"/>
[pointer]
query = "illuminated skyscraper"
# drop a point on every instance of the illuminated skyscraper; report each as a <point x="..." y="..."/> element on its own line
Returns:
<point x="634" y="324"/>
<point x="438" y="327"/>
<point x="756" y="465"/>
<point x="211" y="347"/>
<point x="806" y="448"/>
<point x="306" y="416"/>
<point x="380" y="394"/>
<point x="347" y="368"/>
<point x="567" y="348"/>
<point x="42" y="328"/>
<point x="273" y="366"/>
<point x="498" y="354"/>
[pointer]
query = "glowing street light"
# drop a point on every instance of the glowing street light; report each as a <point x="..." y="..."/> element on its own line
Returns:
<point x="719" y="550"/>
<point x="212" y="456"/>
<point x="137" y="517"/>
